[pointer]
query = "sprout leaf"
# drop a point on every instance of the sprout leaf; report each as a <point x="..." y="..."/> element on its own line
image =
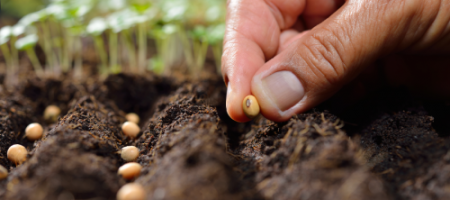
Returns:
<point x="26" y="42"/>
<point x="5" y="33"/>
<point x="97" y="26"/>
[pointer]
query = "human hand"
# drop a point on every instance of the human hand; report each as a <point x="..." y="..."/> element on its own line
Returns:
<point x="268" y="53"/>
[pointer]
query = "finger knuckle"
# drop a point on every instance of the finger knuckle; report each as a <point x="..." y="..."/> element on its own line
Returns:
<point x="325" y="56"/>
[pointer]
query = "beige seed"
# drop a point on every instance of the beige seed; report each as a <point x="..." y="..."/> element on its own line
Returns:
<point x="130" y="170"/>
<point x="131" y="191"/>
<point x="130" y="129"/>
<point x="17" y="154"/>
<point x="34" y="131"/>
<point x="3" y="172"/>
<point x="130" y="153"/>
<point x="52" y="113"/>
<point x="132" y="117"/>
<point x="250" y="106"/>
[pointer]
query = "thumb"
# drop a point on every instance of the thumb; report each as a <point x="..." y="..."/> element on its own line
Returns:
<point x="317" y="64"/>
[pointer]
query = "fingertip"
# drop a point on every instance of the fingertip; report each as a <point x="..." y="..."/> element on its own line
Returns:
<point x="234" y="105"/>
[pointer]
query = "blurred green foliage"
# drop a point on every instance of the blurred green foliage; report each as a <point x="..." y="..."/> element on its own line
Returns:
<point x="182" y="30"/>
<point x="19" y="8"/>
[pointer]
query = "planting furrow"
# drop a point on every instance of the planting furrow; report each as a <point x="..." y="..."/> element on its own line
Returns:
<point x="184" y="154"/>
<point x="15" y="115"/>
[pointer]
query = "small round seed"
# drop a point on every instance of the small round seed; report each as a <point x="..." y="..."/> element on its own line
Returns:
<point x="250" y="106"/>
<point x="51" y="113"/>
<point x="17" y="154"/>
<point x="130" y="191"/>
<point x="132" y="117"/>
<point x="130" y="170"/>
<point x="34" y="131"/>
<point x="130" y="129"/>
<point x="3" y="172"/>
<point x="130" y="153"/>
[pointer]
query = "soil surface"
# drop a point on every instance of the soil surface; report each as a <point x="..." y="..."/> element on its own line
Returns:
<point x="388" y="146"/>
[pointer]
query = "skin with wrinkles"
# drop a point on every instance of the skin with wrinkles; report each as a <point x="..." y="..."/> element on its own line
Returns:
<point x="331" y="44"/>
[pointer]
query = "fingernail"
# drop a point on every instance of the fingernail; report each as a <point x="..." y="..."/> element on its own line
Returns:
<point x="284" y="89"/>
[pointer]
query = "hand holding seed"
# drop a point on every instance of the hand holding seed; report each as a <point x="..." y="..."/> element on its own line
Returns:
<point x="293" y="56"/>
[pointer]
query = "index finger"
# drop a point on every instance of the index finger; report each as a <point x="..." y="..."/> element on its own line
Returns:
<point x="252" y="37"/>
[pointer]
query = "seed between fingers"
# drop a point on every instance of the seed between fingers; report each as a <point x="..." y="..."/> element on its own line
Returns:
<point x="250" y="106"/>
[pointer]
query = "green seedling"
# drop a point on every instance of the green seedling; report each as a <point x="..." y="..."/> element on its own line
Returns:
<point x="96" y="28"/>
<point x="57" y="14"/>
<point x="5" y="34"/>
<point x="27" y="44"/>
<point x="73" y="21"/>
<point x="117" y="22"/>
<point x="200" y="48"/>
<point x="215" y="36"/>
<point x="167" y="45"/>
<point x="18" y="30"/>
<point x="39" y="19"/>
<point x="141" y="7"/>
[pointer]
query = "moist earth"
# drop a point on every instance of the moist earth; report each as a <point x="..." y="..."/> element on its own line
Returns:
<point x="389" y="146"/>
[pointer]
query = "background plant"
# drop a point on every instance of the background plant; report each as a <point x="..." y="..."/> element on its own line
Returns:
<point x="122" y="32"/>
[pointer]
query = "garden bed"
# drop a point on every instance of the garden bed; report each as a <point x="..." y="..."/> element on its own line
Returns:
<point x="389" y="146"/>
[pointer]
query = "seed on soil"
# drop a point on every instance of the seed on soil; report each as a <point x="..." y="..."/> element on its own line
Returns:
<point x="17" y="154"/>
<point x="130" y="129"/>
<point x="3" y="172"/>
<point x="250" y="106"/>
<point x="132" y="117"/>
<point x="130" y="170"/>
<point x="131" y="191"/>
<point x="130" y="153"/>
<point x="34" y="131"/>
<point x="52" y="113"/>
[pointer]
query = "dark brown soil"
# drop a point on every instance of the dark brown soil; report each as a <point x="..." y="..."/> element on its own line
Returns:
<point x="389" y="146"/>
